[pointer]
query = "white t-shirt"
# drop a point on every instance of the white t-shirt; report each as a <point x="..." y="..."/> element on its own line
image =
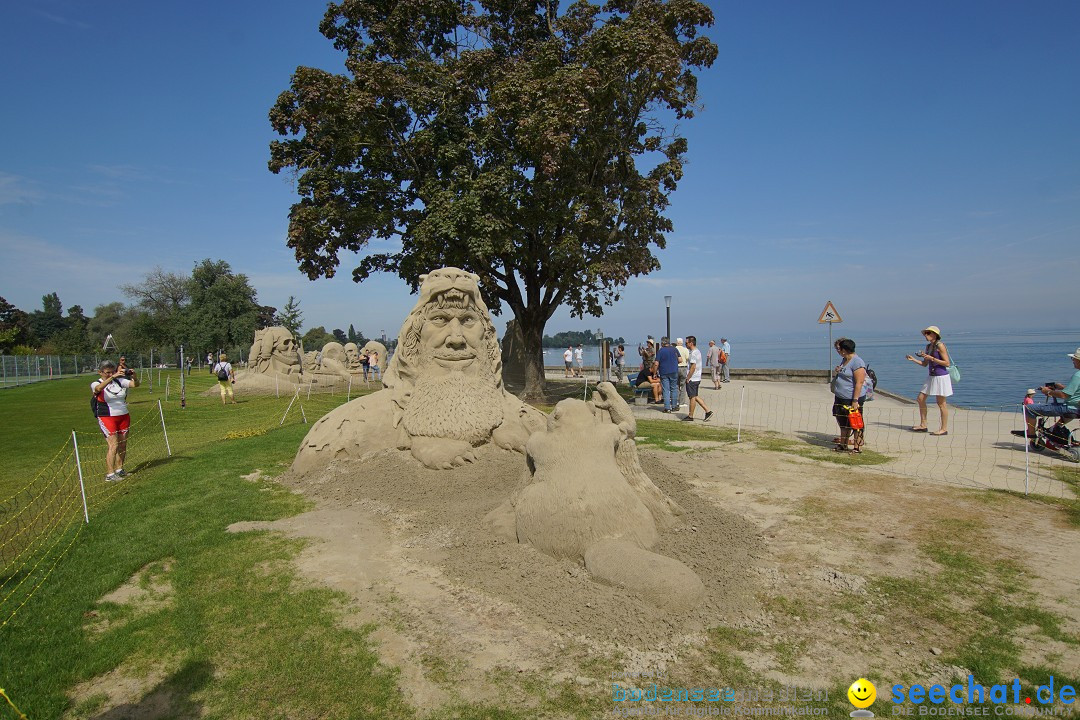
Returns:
<point x="115" y="395"/>
<point x="695" y="360"/>
<point x="577" y="355"/>
<point x="568" y="355"/>
<point x="220" y="365"/>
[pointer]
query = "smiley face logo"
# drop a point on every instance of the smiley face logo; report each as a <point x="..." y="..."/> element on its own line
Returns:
<point x="862" y="693"/>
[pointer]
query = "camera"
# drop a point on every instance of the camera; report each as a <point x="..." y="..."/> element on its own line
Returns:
<point x="129" y="373"/>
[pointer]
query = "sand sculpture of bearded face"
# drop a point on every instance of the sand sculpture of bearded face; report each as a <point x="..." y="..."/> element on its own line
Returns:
<point x="448" y="384"/>
<point x="352" y="357"/>
<point x="443" y="395"/>
<point x="275" y="351"/>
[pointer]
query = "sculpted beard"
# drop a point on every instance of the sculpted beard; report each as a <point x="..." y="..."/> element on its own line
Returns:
<point x="455" y="406"/>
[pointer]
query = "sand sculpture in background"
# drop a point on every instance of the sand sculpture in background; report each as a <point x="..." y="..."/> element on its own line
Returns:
<point x="275" y="352"/>
<point x="443" y="394"/>
<point x="352" y="359"/>
<point x="374" y="346"/>
<point x="274" y="364"/>
<point x="588" y="499"/>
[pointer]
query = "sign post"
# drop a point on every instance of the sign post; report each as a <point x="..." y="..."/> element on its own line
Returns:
<point x="830" y="315"/>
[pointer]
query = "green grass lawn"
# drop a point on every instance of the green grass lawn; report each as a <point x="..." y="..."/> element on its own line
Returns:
<point x="228" y="630"/>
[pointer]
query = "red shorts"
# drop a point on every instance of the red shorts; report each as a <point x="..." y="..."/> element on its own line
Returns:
<point x="113" y="424"/>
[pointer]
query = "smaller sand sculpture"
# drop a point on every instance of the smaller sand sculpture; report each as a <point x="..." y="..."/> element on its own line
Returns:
<point x="443" y="395"/>
<point x="274" y="364"/>
<point x="275" y="352"/>
<point x="330" y="365"/>
<point x="352" y="359"/>
<point x="589" y="499"/>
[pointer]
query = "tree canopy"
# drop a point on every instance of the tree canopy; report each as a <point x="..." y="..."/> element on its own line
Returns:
<point x="531" y="145"/>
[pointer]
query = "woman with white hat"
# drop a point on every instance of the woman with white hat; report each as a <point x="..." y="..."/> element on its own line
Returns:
<point x="939" y="384"/>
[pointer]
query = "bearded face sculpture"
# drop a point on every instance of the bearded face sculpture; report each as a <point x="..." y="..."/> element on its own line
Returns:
<point x="443" y="395"/>
<point x="352" y="357"/>
<point x="275" y="351"/>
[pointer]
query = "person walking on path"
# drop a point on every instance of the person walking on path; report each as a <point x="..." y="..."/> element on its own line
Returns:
<point x="667" y="360"/>
<point x="620" y="362"/>
<point x="725" y="358"/>
<point x="849" y="388"/>
<point x="579" y="361"/>
<point x="684" y="360"/>
<point x="939" y="384"/>
<point x="568" y="358"/>
<point x="226" y="377"/>
<point x="712" y="361"/>
<point x="693" y="380"/>
<point x="111" y="410"/>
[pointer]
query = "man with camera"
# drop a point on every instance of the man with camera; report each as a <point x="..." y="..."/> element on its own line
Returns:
<point x="109" y="403"/>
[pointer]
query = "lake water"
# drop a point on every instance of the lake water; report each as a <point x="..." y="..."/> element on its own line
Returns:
<point x="995" y="369"/>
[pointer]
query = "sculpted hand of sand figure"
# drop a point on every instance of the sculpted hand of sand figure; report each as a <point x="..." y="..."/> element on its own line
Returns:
<point x="585" y="501"/>
<point x="444" y="395"/>
<point x="275" y="351"/>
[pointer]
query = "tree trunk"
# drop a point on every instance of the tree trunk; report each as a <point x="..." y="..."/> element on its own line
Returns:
<point x="532" y="337"/>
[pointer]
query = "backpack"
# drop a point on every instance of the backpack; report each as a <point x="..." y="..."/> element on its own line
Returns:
<point x="723" y="357"/>
<point x="223" y="372"/>
<point x="873" y="381"/>
<point x="100" y="408"/>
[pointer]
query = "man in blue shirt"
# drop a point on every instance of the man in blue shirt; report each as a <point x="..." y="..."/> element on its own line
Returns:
<point x="667" y="360"/>
<point x="1071" y="396"/>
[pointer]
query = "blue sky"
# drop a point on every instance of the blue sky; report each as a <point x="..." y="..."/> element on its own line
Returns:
<point x="914" y="163"/>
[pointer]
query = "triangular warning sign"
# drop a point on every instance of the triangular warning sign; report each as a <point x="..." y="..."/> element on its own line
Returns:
<point x="829" y="314"/>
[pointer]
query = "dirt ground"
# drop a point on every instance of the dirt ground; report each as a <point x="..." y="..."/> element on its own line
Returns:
<point x="792" y="553"/>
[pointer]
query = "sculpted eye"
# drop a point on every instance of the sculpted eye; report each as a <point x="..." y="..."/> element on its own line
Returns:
<point x="469" y="320"/>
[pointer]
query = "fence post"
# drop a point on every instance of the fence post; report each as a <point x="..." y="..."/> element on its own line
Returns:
<point x="1027" y="449"/>
<point x="349" y="396"/>
<point x="82" y="487"/>
<point x="295" y="395"/>
<point x="742" y="396"/>
<point x="166" y="432"/>
<point x="167" y="380"/>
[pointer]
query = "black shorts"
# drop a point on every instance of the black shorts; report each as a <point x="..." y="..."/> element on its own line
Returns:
<point x="840" y="410"/>
<point x="692" y="388"/>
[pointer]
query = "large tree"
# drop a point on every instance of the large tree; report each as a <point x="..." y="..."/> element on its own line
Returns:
<point x="533" y="145"/>
<point x="223" y="311"/>
<point x="14" y="326"/>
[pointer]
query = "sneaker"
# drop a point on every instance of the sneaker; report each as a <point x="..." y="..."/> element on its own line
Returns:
<point x="708" y="415"/>
<point x="112" y="477"/>
<point x="120" y="473"/>
<point x="688" y="419"/>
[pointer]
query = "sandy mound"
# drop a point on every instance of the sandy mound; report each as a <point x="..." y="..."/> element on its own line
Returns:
<point x="444" y="512"/>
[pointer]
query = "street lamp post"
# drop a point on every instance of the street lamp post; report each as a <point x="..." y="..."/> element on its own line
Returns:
<point x="667" y="301"/>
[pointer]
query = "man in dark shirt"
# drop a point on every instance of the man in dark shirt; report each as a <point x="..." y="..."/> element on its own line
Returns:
<point x="667" y="358"/>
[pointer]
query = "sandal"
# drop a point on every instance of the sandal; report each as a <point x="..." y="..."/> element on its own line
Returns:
<point x="919" y="429"/>
<point x="856" y="451"/>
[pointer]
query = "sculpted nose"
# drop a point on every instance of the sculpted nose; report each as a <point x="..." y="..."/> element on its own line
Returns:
<point x="455" y="339"/>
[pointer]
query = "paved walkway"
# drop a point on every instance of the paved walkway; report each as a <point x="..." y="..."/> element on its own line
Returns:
<point x="978" y="452"/>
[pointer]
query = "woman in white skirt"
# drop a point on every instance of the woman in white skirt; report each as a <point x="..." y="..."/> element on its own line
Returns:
<point x="938" y="384"/>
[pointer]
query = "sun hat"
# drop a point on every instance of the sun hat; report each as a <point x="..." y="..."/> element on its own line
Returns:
<point x="1031" y="391"/>
<point x="934" y="329"/>
<point x="1075" y="355"/>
